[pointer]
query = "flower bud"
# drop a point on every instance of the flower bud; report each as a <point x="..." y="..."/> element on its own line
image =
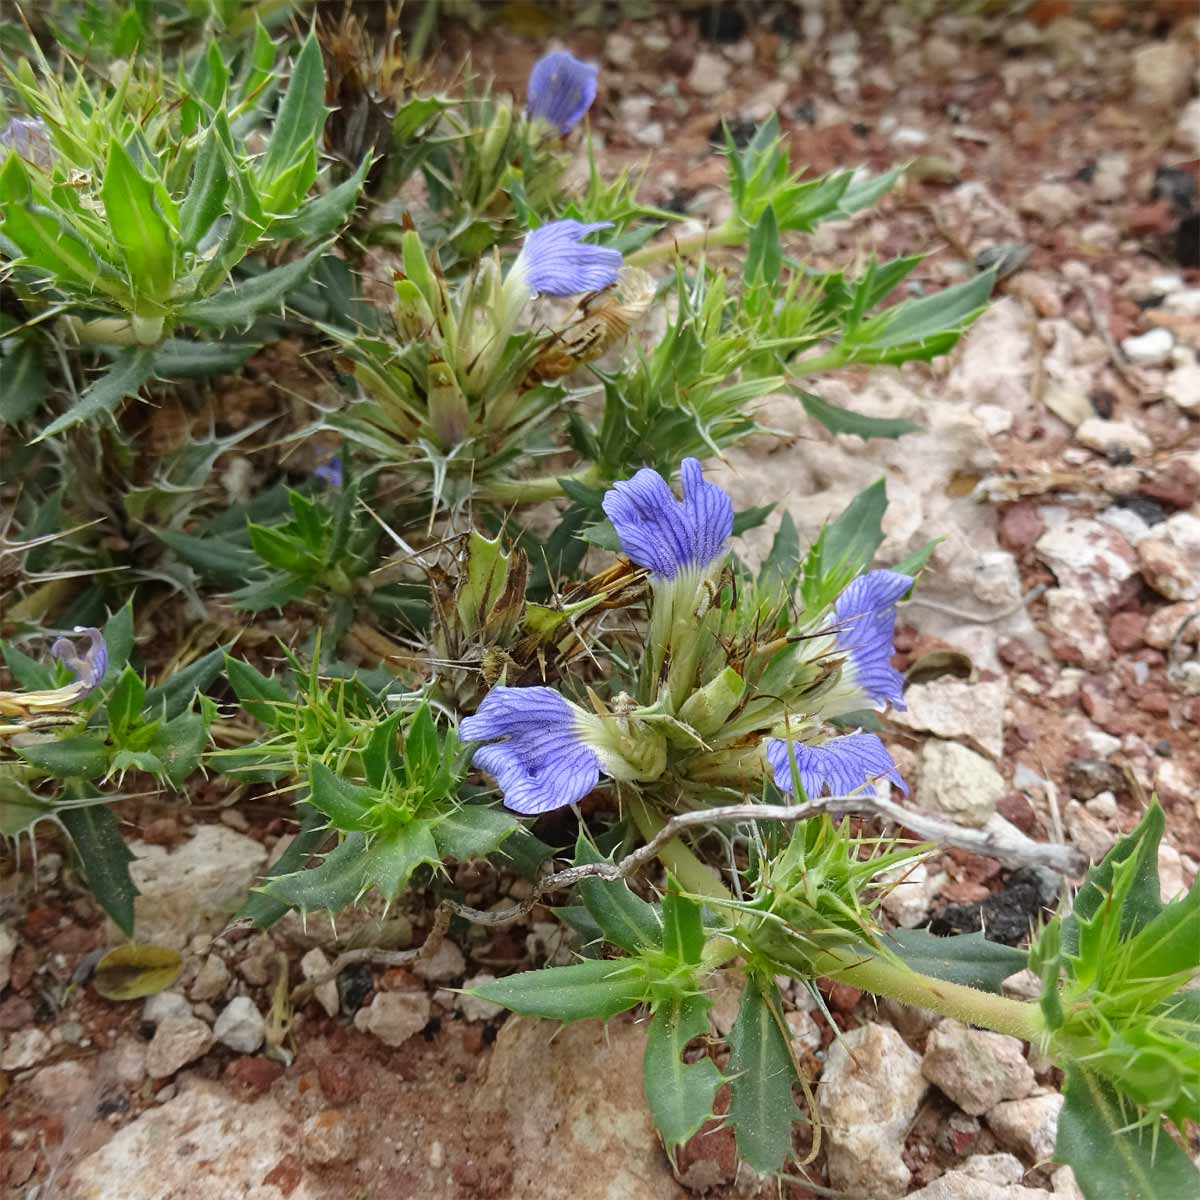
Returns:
<point x="709" y="708"/>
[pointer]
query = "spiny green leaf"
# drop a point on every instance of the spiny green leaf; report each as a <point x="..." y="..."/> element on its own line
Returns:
<point x="601" y="988"/>
<point x="1112" y="1161"/>
<point x="347" y="805"/>
<point x="260" y="695"/>
<point x="125" y="702"/>
<point x="391" y="858"/>
<point x="129" y="370"/>
<point x="84" y="756"/>
<point x="680" y="1095"/>
<point x="627" y="920"/>
<point x="334" y="884"/>
<point x="179" y="745"/>
<point x="301" y="115"/>
<point x="325" y="214"/>
<point x="240" y="303"/>
<point x="260" y="907"/>
<point x="843" y="420"/>
<point x="683" y="927"/>
<point x="105" y="860"/>
<point x="147" y="241"/>
<point x="174" y="696"/>
<point x="1144" y="900"/>
<point x="762" y="1109"/>
<point x="968" y="958"/>
<point x="473" y="831"/>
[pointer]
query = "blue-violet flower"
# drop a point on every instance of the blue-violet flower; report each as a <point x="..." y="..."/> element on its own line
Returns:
<point x="29" y="138"/>
<point x="557" y="262"/>
<point x="666" y="535"/>
<point x="330" y="472"/>
<point x="866" y="621"/>
<point x="90" y="665"/>
<point x="561" y="90"/>
<point x="840" y="765"/>
<point x="543" y="763"/>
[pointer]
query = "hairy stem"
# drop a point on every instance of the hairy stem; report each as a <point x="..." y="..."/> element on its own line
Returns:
<point x="533" y="491"/>
<point x="871" y="974"/>
<point x="731" y="233"/>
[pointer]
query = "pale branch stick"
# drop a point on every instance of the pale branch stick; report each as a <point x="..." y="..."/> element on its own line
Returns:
<point x="995" y="843"/>
<point x="1005" y="844"/>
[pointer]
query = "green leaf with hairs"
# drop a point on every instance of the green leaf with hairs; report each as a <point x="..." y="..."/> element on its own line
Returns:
<point x="680" y="1095"/>
<point x="146" y="240"/>
<point x="600" y="988"/>
<point x="968" y="958"/>
<point x="104" y="858"/>
<point x="843" y="420"/>
<point x="762" y="1109"/>
<point x="627" y="920"/>
<point x="1111" y="1160"/>
<point x="129" y="370"/>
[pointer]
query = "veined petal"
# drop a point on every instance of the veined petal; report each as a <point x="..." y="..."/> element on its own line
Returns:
<point x="663" y="534"/>
<point x="839" y="766"/>
<point x="557" y="262"/>
<point x="30" y="139"/>
<point x="866" y="618"/>
<point x="89" y="666"/>
<point x="543" y="764"/>
<point x="561" y="89"/>
<point x="330" y="472"/>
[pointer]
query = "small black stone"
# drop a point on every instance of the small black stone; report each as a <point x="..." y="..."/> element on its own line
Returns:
<point x="1119" y="456"/>
<point x="113" y="1104"/>
<point x="721" y="23"/>
<point x="1176" y="186"/>
<point x="679" y="200"/>
<point x="354" y="985"/>
<point x="1104" y="403"/>
<point x="741" y="129"/>
<point x="1187" y="241"/>
<point x="806" y="111"/>
<point x="1151" y="511"/>
<point x="1006" y="917"/>
<point x="1086" y="173"/>
<point x="1164" y="749"/>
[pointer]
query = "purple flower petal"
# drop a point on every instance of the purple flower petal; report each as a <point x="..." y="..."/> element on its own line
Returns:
<point x="29" y="138"/>
<point x="556" y="262"/>
<point x="866" y="617"/>
<point x="661" y="533"/>
<point x="330" y="473"/>
<point x="839" y="766"/>
<point x="544" y="763"/>
<point x="561" y="89"/>
<point x="90" y="666"/>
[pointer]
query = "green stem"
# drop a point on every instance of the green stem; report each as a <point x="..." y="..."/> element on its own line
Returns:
<point x="695" y="876"/>
<point x="731" y="233"/>
<point x="533" y="491"/>
<point x="831" y="360"/>
<point x="864" y="971"/>
<point x="870" y="974"/>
